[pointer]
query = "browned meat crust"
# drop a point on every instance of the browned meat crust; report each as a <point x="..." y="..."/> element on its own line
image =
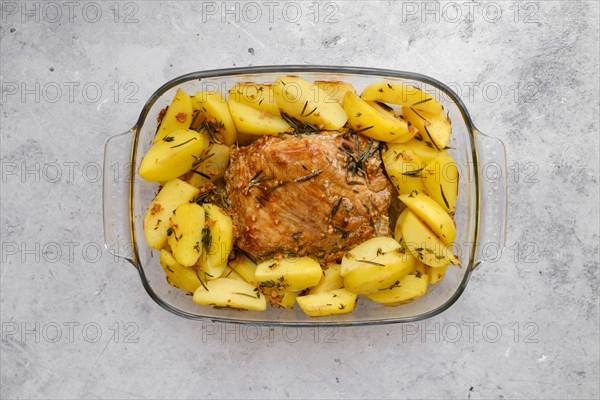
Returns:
<point x="316" y="195"/>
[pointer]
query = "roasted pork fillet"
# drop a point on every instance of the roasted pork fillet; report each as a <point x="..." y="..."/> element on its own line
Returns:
<point x="317" y="195"/>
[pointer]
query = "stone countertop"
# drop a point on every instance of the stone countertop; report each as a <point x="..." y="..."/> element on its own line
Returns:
<point x="78" y="324"/>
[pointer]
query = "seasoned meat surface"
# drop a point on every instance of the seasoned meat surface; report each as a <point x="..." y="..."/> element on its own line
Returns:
<point x="316" y="195"/>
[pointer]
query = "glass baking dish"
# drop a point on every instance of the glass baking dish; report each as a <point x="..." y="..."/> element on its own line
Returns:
<point x="480" y="214"/>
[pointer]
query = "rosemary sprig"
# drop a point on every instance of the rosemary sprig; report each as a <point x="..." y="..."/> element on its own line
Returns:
<point x="309" y="176"/>
<point x="186" y="142"/>
<point x="257" y="179"/>
<point x="416" y="172"/>
<point x="355" y="163"/>
<point x="430" y="138"/>
<point x="422" y="101"/>
<point x="206" y="239"/>
<point x="371" y="262"/>
<point x="273" y="188"/>
<point x="201" y="281"/>
<point x="201" y="159"/>
<point x="202" y="174"/>
<point x="299" y="126"/>
<point x="246" y="294"/>
<point x="205" y="197"/>
<point x="444" y="197"/>
<point x="210" y="128"/>
<point x="335" y="208"/>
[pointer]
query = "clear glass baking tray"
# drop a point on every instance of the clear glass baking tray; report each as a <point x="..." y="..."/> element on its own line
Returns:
<point x="480" y="214"/>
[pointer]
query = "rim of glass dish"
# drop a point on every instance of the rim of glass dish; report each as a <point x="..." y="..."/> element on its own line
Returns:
<point x="219" y="73"/>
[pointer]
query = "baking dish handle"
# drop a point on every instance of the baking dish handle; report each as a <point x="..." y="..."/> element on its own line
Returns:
<point x="491" y="164"/>
<point x="115" y="196"/>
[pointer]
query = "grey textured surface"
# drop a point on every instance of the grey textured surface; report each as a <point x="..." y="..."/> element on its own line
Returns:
<point x="527" y="326"/>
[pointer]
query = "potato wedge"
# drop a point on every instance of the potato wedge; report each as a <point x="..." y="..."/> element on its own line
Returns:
<point x="436" y="274"/>
<point x="184" y="278"/>
<point x="231" y="274"/>
<point x="433" y="128"/>
<point x="374" y="277"/>
<point x="291" y="274"/>
<point x="335" y="90"/>
<point x="185" y="233"/>
<point x="257" y="96"/>
<point x="373" y="123"/>
<point x="379" y="250"/>
<point x="406" y="289"/>
<point x="440" y="179"/>
<point x="398" y="226"/>
<point x="217" y="241"/>
<point x="337" y="301"/>
<point x="213" y="108"/>
<point x="404" y="95"/>
<point x="374" y="265"/>
<point x="156" y="221"/>
<point x="225" y="292"/>
<point x="403" y="168"/>
<point x="178" y="116"/>
<point x="332" y="279"/>
<point x="282" y="298"/>
<point x="245" y="267"/>
<point x="173" y="156"/>
<point x="210" y="166"/>
<point x="423" y="150"/>
<point x="305" y="101"/>
<point x="434" y="216"/>
<point x="251" y="121"/>
<point x="424" y="244"/>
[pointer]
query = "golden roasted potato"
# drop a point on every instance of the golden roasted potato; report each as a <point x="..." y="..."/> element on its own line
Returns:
<point x="257" y="96"/>
<point x="406" y="96"/>
<point x="217" y="241"/>
<point x="436" y="274"/>
<point x="178" y="116"/>
<point x="398" y="226"/>
<point x="252" y="121"/>
<point x="335" y="90"/>
<point x="374" y="265"/>
<point x="332" y="279"/>
<point x="185" y="233"/>
<point x="245" y="267"/>
<point x="424" y="244"/>
<point x="156" y="221"/>
<point x="212" y="108"/>
<point x="184" y="278"/>
<point x="424" y="150"/>
<point x="291" y="273"/>
<point x="374" y="123"/>
<point x="378" y="250"/>
<point x="404" y="290"/>
<point x="434" y="216"/>
<point x="440" y="179"/>
<point x="225" y="292"/>
<point x="434" y="128"/>
<point x="231" y="274"/>
<point x="403" y="168"/>
<point x="337" y="301"/>
<point x="210" y="166"/>
<point x="282" y="298"/>
<point x="305" y="101"/>
<point x="173" y="156"/>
